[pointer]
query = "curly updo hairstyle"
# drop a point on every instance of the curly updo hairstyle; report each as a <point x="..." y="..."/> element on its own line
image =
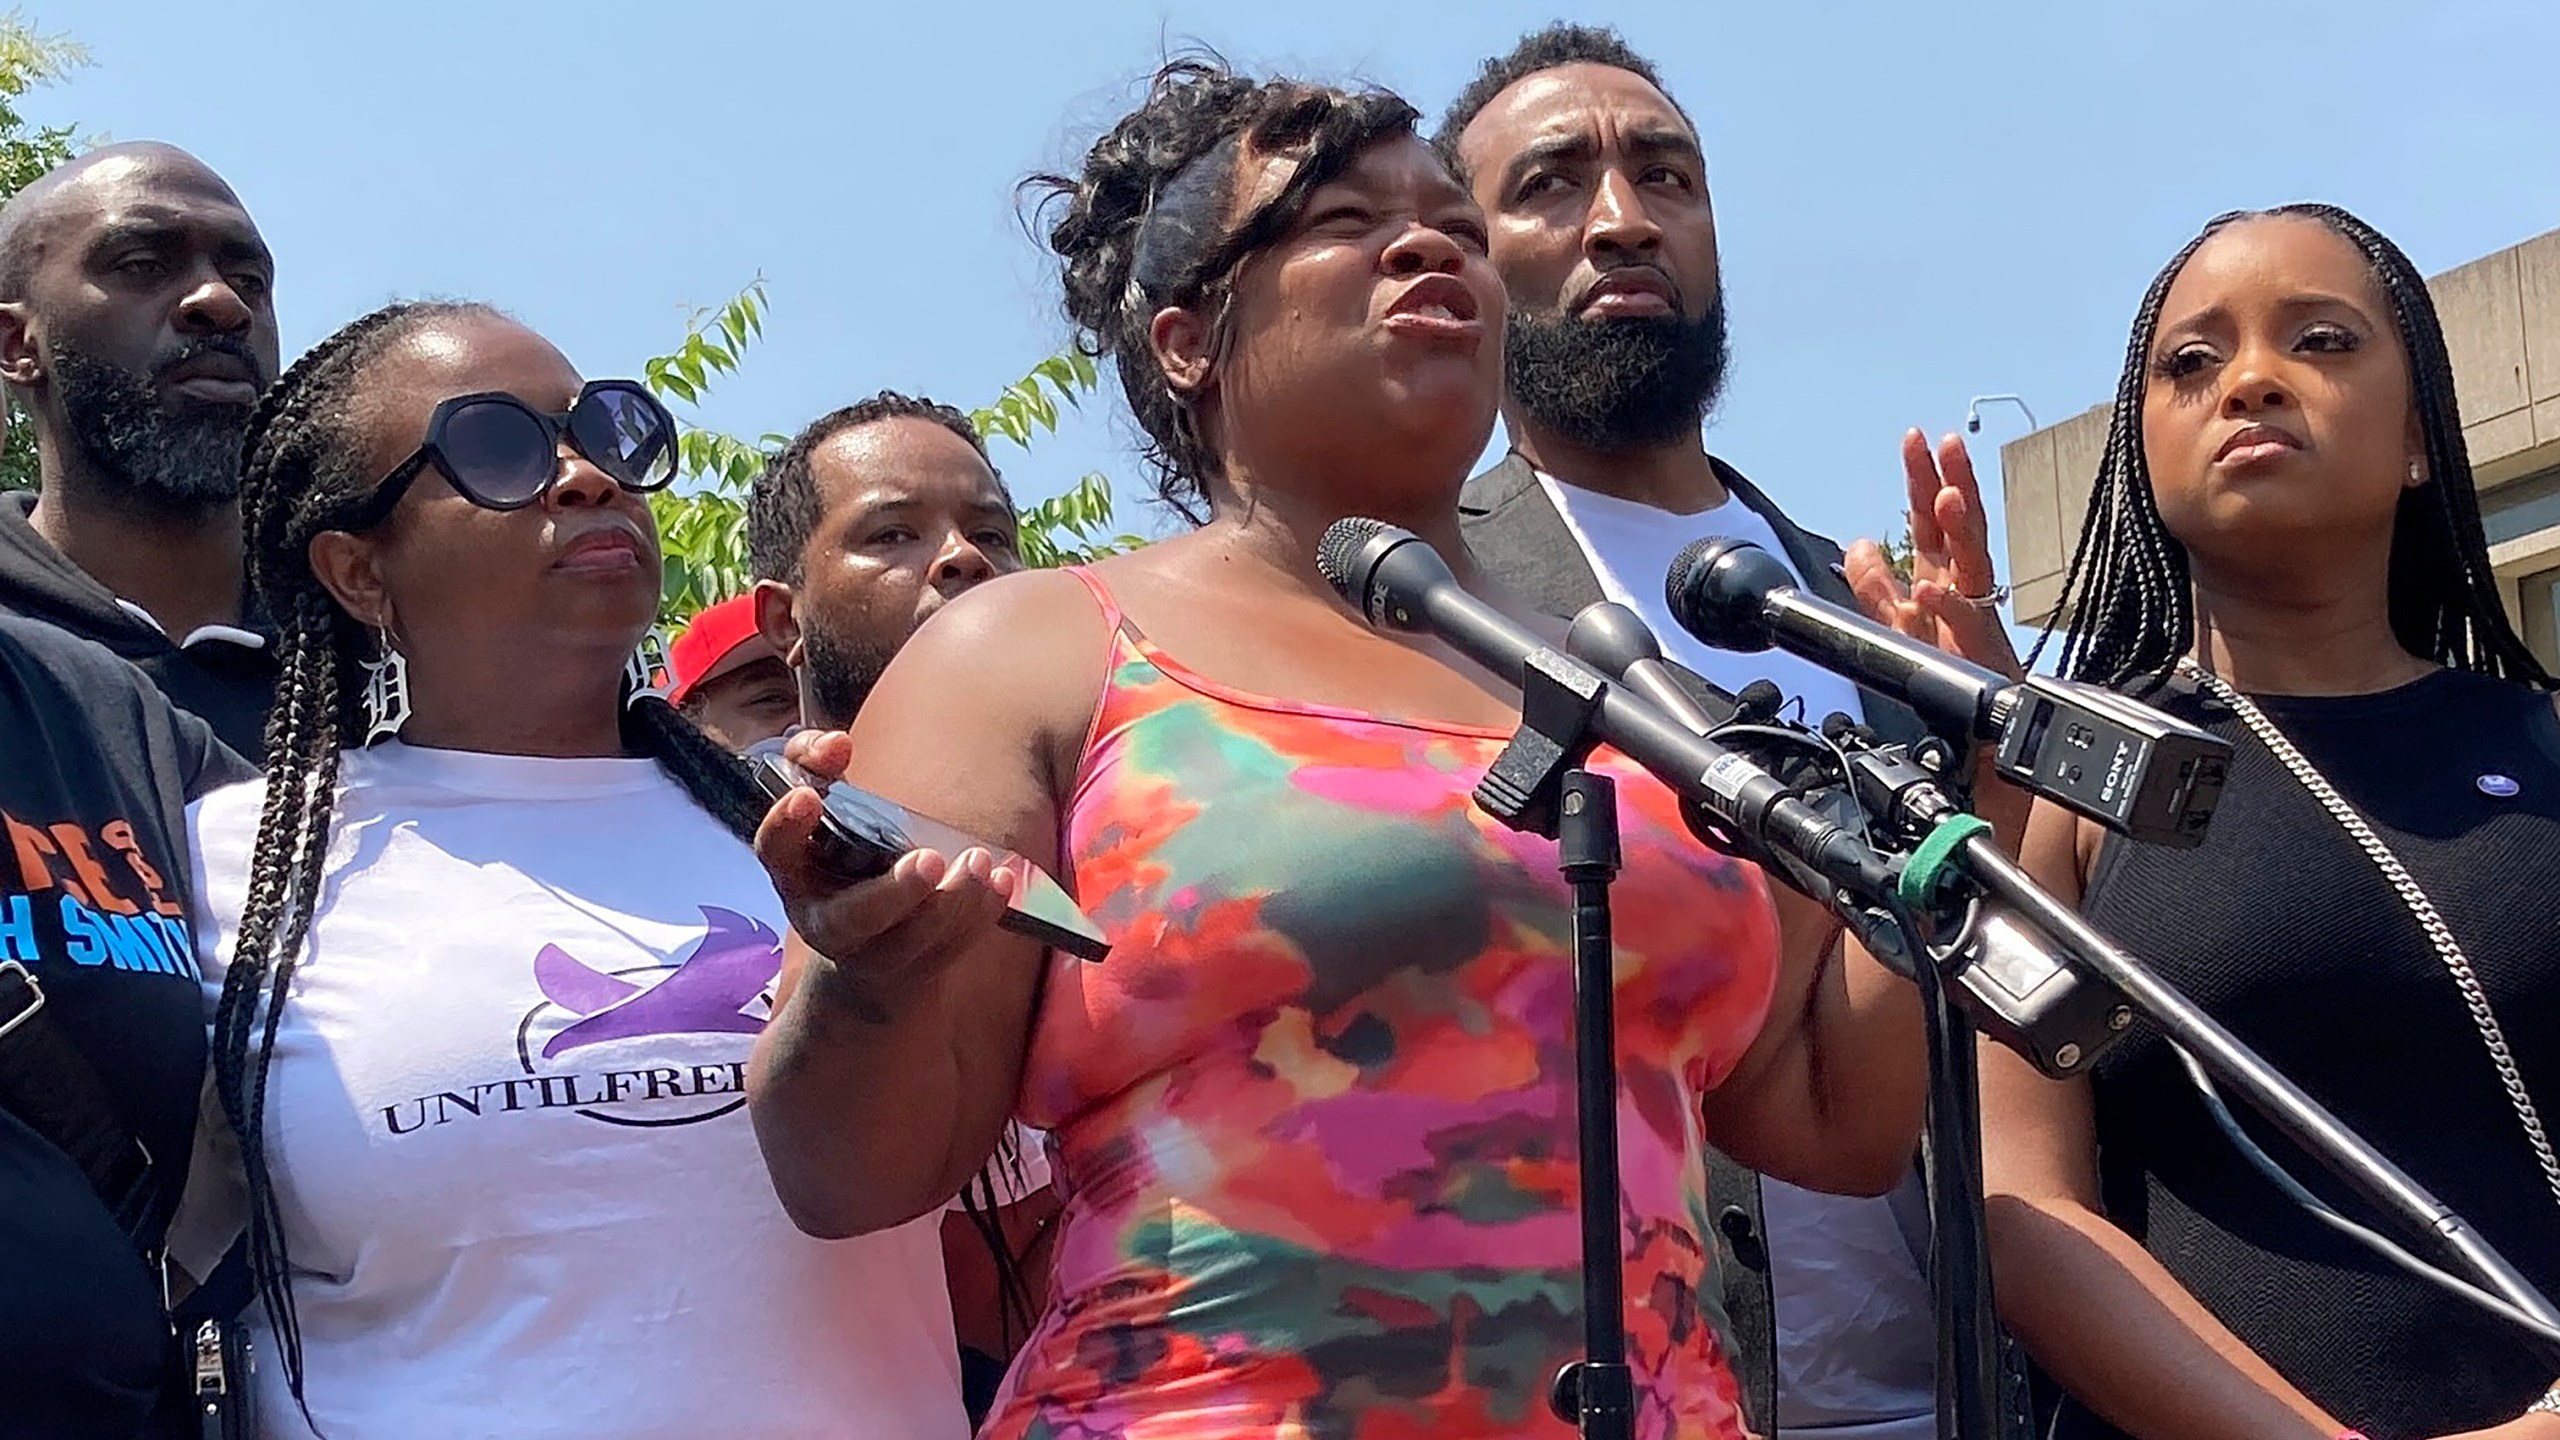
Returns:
<point x="1151" y="223"/>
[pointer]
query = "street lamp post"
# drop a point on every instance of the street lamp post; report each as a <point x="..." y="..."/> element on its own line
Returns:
<point x="1973" y="411"/>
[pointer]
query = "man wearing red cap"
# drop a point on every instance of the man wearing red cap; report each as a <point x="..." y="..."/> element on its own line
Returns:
<point x="729" y="680"/>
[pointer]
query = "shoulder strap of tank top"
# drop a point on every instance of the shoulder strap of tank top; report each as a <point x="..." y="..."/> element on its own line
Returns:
<point x="1124" y="648"/>
<point x="1101" y="593"/>
<point x="1128" y="642"/>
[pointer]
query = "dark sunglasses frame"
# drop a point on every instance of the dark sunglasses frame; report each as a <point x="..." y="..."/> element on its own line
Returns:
<point x="431" y="451"/>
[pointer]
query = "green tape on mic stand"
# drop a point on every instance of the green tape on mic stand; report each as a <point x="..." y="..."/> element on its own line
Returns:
<point x="1930" y="860"/>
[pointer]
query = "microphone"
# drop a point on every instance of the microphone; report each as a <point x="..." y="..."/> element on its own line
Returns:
<point x="1615" y="640"/>
<point x="2129" y="767"/>
<point x="1398" y="582"/>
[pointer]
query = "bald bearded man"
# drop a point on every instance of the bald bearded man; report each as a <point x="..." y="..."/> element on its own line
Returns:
<point x="137" y="330"/>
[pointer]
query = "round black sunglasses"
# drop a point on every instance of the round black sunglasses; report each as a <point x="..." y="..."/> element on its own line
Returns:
<point x="502" y="454"/>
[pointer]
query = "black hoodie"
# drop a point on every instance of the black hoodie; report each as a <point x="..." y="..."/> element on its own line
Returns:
<point x="96" y="771"/>
<point x="216" y="673"/>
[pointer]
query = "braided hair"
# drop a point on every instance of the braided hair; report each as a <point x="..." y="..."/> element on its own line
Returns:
<point x="1147" y="225"/>
<point x="2127" y="608"/>
<point x="303" y="473"/>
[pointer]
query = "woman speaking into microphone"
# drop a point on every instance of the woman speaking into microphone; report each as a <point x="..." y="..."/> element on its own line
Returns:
<point x="2284" y="546"/>
<point x="1314" y="1117"/>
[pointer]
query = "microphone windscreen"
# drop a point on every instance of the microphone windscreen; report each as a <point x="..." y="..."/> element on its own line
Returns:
<point x="1680" y="582"/>
<point x="1714" y="590"/>
<point x="1338" y="552"/>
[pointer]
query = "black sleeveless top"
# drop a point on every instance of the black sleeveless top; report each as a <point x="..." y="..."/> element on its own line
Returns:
<point x="2284" y="931"/>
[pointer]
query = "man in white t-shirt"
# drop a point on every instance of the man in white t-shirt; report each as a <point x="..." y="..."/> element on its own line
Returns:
<point x="1594" y="188"/>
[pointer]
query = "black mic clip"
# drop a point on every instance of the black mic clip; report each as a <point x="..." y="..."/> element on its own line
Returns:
<point x="1898" y="793"/>
<point x="1524" y="785"/>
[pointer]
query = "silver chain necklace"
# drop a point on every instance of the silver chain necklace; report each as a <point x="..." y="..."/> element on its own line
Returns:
<point x="2420" y="909"/>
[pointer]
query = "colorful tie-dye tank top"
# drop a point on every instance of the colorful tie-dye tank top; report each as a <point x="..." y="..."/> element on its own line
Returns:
<point x="1314" y="1118"/>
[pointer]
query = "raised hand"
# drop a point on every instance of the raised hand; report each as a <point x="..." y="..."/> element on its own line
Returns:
<point x="1953" y="601"/>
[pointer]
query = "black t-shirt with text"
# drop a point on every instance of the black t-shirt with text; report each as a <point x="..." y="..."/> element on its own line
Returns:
<point x="96" y="769"/>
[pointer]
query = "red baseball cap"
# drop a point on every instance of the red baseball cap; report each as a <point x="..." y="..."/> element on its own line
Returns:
<point x="717" y="641"/>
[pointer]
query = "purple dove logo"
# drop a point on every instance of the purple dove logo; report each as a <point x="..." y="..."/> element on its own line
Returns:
<point x="720" y="988"/>
<point x="707" y="994"/>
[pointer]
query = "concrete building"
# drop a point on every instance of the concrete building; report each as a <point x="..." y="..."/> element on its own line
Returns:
<point x="2501" y="324"/>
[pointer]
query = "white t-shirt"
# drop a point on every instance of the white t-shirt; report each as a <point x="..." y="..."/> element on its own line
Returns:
<point x="1631" y="545"/>
<point x="509" y="1138"/>
<point x="1857" y="1338"/>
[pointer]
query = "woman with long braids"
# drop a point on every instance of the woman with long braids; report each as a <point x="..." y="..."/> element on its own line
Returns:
<point x="1313" y="1120"/>
<point x="2284" y="545"/>
<point x="486" y="988"/>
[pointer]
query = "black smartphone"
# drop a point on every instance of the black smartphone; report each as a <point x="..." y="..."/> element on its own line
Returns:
<point x="862" y="835"/>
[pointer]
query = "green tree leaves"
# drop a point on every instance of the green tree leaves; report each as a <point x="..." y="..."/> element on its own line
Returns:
<point x="1898" y="553"/>
<point x="702" y="518"/>
<point x="28" y="58"/>
<point x="1068" y="530"/>
<point x="714" y="342"/>
<point x="1025" y="408"/>
<point x="1073" y="528"/>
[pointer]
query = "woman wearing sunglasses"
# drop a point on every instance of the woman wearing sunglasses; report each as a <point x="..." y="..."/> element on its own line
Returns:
<point x="487" y="985"/>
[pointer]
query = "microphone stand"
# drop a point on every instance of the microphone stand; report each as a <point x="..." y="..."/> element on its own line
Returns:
<point x="1959" y="1243"/>
<point x="1900" y="797"/>
<point x="1538" y="784"/>
<point x="1910" y="798"/>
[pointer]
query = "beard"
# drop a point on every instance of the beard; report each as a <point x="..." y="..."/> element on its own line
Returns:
<point x="842" y="673"/>
<point x="1617" y="385"/>
<point x="177" y="458"/>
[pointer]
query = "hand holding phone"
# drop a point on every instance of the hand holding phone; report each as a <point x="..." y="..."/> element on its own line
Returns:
<point x="861" y="836"/>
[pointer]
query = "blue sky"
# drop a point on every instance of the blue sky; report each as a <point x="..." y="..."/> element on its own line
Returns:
<point x="1918" y="202"/>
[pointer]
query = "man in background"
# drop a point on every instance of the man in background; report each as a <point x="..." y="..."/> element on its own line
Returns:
<point x="872" y="519"/>
<point x="137" y="329"/>
<point x="867" y="523"/>
<point x="1594" y="187"/>
<point x="724" y="676"/>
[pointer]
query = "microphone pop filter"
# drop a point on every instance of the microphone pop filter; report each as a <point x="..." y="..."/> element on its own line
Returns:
<point x="1338" y="555"/>
<point x="1383" y="571"/>
<point x="1715" y="586"/>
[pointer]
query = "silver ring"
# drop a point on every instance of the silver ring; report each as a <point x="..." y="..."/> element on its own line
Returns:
<point x="1998" y="597"/>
